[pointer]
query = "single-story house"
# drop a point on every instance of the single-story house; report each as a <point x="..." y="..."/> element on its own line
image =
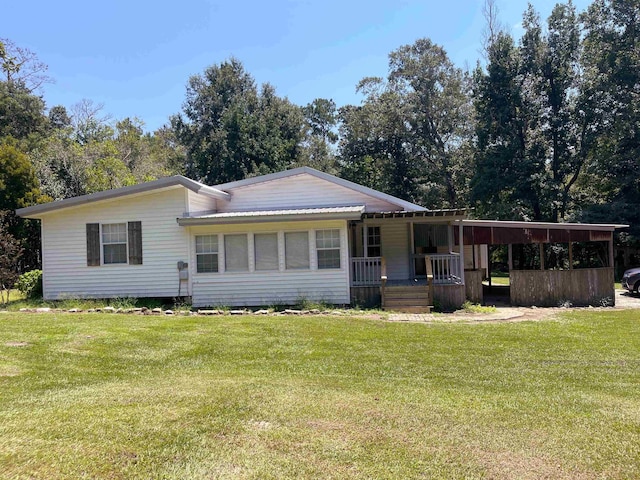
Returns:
<point x="287" y="236"/>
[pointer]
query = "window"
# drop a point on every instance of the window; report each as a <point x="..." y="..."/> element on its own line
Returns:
<point x="206" y="253"/>
<point x="373" y="242"/>
<point x="266" y="251"/>
<point x="296" y="250"/>
<point x="114" y="243"/>
<point x="236" y="253"/>
<point x="328" y="248"/>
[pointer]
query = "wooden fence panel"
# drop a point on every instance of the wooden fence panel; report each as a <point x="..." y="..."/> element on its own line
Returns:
<point x="552" y="288"/>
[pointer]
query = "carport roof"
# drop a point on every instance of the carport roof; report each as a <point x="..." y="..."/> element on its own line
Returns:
<point x="496" y="232"/>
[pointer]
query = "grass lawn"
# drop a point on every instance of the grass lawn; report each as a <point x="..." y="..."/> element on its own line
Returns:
<point x="116" y="396"/>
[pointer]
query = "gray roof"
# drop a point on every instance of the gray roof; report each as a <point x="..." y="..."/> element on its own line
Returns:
<point x="192" y="185"/>
<point x="325" y="213"/>
<point x="445" y="212"/>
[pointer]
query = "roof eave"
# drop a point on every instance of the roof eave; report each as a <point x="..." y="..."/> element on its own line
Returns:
<point x="551" y="225"/>
<point x="36" y="211"/>
<point x="194" y="221"/>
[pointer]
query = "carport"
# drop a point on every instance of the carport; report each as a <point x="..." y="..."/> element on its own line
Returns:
<point x="550" y="264"/>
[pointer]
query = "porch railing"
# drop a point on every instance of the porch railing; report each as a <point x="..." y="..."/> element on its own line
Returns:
<point x="446" y="268"/>
<point x="366" y="271"/>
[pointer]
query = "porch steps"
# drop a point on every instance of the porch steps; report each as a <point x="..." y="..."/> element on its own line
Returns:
<point x="407" y="299"/>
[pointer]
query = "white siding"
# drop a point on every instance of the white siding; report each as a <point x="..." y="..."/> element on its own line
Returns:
<point x="164" y="242"/>
<point x="396" y="250"/>
<point x="272" y="287"/>
<point x="200" y="203"/>
<point x="299" y="191"/>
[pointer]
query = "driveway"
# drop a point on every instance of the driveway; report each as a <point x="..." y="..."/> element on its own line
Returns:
<point x="624" y="299"/>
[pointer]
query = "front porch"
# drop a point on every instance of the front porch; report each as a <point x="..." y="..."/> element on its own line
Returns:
<point x="407" y="261"/>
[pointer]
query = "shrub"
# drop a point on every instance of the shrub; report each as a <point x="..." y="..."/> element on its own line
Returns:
<point x="30" y="284"/>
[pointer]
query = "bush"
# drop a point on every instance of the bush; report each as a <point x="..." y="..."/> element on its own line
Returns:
<point x="30" y="284"/>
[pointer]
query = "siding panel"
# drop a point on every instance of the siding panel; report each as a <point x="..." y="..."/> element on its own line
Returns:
<point x="272" y="287"/>
<point x="164" y="242"/>
<point x="299" y="191"/>
<point x="200" y="203"/>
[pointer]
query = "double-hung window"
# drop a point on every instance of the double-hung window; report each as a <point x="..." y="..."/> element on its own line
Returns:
<point x="266" y="251"/>
<point x="328" y="248"/>
<point x="114" y="243"/>
<point x="236" y="253"/>
<point x="373" y="242"/>
<point x="296" y="250"/>
<point x="206" y="253"/>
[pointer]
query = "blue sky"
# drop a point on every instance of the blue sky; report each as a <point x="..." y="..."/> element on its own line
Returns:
<point x="135" y="57"/>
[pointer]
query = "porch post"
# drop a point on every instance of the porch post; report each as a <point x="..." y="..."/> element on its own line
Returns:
<point x="365" y="240"/>
<point x="461" y="243"/>
<point x="570" y="255"/>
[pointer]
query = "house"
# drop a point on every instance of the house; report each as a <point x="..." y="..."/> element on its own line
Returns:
<point x="275" y="239"/>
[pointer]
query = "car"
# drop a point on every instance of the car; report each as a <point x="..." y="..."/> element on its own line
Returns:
<point x="631" y="280"/>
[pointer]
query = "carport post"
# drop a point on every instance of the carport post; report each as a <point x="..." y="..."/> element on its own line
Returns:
<point x="461" y="243"/>
<point x="611" y="260"/>
<point x="570" y="255"/>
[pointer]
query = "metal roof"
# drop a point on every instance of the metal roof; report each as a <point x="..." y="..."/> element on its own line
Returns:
<point x="325" y="213"/>
<point x="197" y="187"/>
<point x="496" y="232"/>
<point x="452" y="212"/>
<point x="547" y="225"/>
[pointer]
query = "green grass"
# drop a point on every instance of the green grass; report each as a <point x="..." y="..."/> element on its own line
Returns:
<point x="475" y="308"/>
<point x="121" y="396"/>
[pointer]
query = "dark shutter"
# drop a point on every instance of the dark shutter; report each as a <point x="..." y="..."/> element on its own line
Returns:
<point x="93" y="244"/>
<point x="135" y="243"/>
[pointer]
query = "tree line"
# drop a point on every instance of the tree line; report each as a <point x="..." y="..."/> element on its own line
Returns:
<point x="546" y="127"/>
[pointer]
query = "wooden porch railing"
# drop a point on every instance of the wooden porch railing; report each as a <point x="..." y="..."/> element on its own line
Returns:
<point x="439" y="268"/>
<point x="366" y="271"/>
<point x="446" y="268"/>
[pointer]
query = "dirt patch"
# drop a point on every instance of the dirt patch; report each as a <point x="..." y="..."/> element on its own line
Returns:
<point x="527" y="466"/>
<point x="16" y="344"/>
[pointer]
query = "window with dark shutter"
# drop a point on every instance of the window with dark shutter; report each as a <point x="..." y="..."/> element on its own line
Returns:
<point x="93" y="244"/>
<point x="135" y="243"/>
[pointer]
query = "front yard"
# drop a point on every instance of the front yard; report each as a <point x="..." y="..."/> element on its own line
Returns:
<point x="124" y="396"/>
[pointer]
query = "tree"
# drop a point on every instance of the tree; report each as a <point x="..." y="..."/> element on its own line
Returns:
<point x="89" y="123"/>
<point x="416" y="125"/>
<point x="10" y="253"/>
<point x="21" y="112"/>
<point x="230" y="130"/>
<point x="18" y="183"/>
<point x="21" y="66"/>
<point x="374" y="143"/>
<point x="321" y="117"/>
<point x="535" y="122"/>
<point x="59" y="118"/>
<point x="610" y="63"/>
